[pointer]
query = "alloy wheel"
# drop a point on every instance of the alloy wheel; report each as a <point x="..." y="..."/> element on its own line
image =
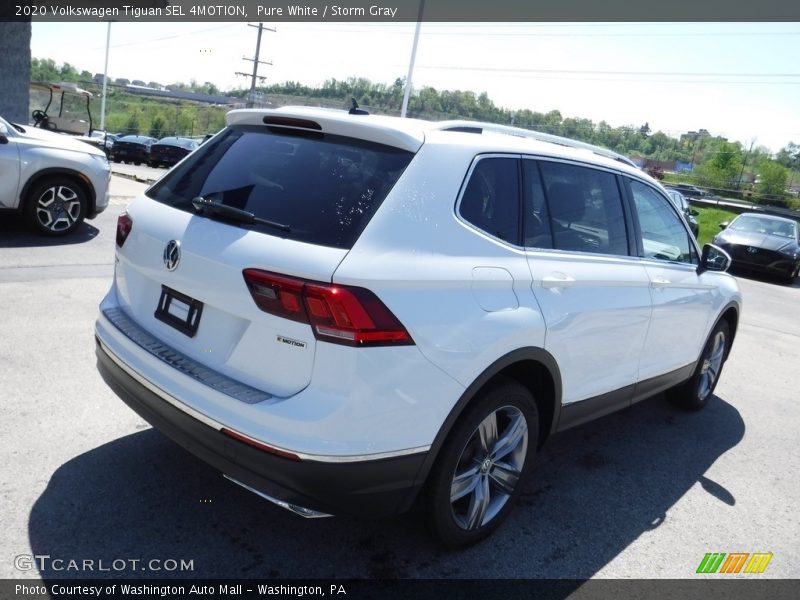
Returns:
<point x="711" y="366"/>
<point x="489" y="468"/>
<point x="58" y="208"/>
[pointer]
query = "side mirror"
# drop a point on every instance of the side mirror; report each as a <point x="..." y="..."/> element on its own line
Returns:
<point x="724" y="225"/>
<point x="694" y="212"/>
<point x="714" y="258"/>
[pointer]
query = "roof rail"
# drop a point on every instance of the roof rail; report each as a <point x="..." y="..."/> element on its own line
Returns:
<point x="478" y="127"/>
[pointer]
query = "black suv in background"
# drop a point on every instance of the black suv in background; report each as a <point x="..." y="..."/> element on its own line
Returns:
<point x="692" y="190"/>
<point x="132" y="148"/>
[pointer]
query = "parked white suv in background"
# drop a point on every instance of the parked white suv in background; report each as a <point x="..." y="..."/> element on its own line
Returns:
<point x="52" y="179"/>
<point x="348" y="313"/>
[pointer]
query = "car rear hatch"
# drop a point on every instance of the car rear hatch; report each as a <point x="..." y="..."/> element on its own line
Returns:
<point x="224" y="258"/>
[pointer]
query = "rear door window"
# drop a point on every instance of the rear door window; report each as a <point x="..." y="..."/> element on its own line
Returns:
<point x="325" y="188"/>
<point x="585" y="205"/>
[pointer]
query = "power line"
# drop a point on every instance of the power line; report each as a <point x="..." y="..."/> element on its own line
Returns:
<point x="589" y="72"/>
<point x="167" y="37"/>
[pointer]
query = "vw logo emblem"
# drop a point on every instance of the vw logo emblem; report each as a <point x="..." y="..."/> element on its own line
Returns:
<point x="172" y="255"/>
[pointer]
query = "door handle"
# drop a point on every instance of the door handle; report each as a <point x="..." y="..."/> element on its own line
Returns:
<point x="659" y="283"/>
<point x="557" y="279"/>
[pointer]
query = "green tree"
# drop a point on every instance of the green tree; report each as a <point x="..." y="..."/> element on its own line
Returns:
<point x="772" y="179"/>
<point x="132" y="124"/>
<point x="789" y="156"/>
<point x="45" y="70"/>
<point x="158" y="127"/>
<point x="722" y="167"/>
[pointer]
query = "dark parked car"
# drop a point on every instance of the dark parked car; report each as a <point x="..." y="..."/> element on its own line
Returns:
<point x="132" y="148"/>
<point x="692" y="191"/>
<point x="762" y="243"/>
<point x="101" y="140"/>
<point x="170" y="150"/>
<point x="682" y="204"/>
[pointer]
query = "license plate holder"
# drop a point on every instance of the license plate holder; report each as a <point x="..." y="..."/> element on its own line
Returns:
<point x="179" y="311"/>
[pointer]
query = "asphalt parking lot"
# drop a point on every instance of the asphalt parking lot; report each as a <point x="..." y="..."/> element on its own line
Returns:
<point x="644" y="493"/>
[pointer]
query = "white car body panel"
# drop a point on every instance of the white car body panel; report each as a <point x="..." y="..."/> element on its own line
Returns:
<point x="596" y="310"/>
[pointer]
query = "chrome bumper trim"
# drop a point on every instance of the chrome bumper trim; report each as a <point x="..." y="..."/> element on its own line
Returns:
<point x="180" y="362"/>
<point x="306" y="513"/>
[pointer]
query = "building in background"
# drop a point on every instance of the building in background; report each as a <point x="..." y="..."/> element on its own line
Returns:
<point x="15" y="70"/>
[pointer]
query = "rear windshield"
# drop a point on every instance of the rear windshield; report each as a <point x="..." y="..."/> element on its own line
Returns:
<point x="324" y="188"/>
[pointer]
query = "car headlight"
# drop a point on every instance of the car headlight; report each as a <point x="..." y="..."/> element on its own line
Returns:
<point x="101" y="159"/>
<point x="792" y="252"/>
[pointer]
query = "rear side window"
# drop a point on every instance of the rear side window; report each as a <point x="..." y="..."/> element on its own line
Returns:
<point x="325" y="188"/>
<point x="586" y="213"/>
<point x="491" y="198"/>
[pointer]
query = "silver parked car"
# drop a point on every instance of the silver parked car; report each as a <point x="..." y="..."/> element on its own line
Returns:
<point x="53" y="179"/>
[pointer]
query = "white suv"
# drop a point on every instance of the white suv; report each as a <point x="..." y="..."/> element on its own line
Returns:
<point x="54" y="180"/>
<point x="347" y="313"/>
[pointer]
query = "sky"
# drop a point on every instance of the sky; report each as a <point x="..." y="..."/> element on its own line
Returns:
<point x="738" y="80"/>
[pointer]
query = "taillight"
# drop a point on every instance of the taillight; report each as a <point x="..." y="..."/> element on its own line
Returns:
<point x="124" y="226"/>
<point x="339" y="314"/>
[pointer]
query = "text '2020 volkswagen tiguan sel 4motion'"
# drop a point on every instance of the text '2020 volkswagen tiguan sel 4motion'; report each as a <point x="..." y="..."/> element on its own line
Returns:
<point x="348" y="313"/>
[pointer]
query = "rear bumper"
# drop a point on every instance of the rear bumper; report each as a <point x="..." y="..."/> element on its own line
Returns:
<point x="134" y="155"/>
<point x="368" y="488"/>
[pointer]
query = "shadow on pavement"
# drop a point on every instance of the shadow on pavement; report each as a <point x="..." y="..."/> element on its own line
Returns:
<point x="595" y="490"/>
<point x="15" y="233"/>
<point x="765" y="277"/>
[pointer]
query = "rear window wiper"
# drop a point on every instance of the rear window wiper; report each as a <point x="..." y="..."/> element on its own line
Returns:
<point x="206" y="205"/>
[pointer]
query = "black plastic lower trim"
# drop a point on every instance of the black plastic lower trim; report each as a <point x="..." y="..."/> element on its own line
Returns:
<point x="577" y="413"/>
<point x="370" y="488"/>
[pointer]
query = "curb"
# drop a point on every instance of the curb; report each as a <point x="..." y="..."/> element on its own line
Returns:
<point x="147" y="180"/>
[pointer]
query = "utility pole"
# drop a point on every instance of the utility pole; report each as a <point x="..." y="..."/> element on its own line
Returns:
<point x="256" y="62"/>
<point x="407" y="93"/>
<point x="744" y="162"/>
<point x="105" y="82"/>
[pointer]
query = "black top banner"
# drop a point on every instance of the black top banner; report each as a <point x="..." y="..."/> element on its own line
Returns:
<point x="393" y="11"/>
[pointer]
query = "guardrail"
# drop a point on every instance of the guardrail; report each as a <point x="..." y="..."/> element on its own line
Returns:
<point x="739" y="207"/>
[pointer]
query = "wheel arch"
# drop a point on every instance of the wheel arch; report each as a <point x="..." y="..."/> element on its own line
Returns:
<point x="77" y="177"/>
<point x="535" y="368"/>
<point x="730" y="314"/>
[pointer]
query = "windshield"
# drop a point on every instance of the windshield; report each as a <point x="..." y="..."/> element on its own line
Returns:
<point x="324" y="188"/>
<point x="765" y="225"/>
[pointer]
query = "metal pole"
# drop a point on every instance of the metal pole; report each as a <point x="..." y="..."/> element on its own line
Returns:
<point x="105" y="82"/>
<point x="407" y="93"/>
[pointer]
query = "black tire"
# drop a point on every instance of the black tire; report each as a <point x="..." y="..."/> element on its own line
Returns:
<point x="56" y="206"/>
<point x="792" y="275"/>
<point x="695" y="393"/>
<point x="489" y="480"/>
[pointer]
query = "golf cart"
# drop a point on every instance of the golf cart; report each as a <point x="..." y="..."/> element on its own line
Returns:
<point x="70" y="113"/>
<point x="67" y="110"/>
